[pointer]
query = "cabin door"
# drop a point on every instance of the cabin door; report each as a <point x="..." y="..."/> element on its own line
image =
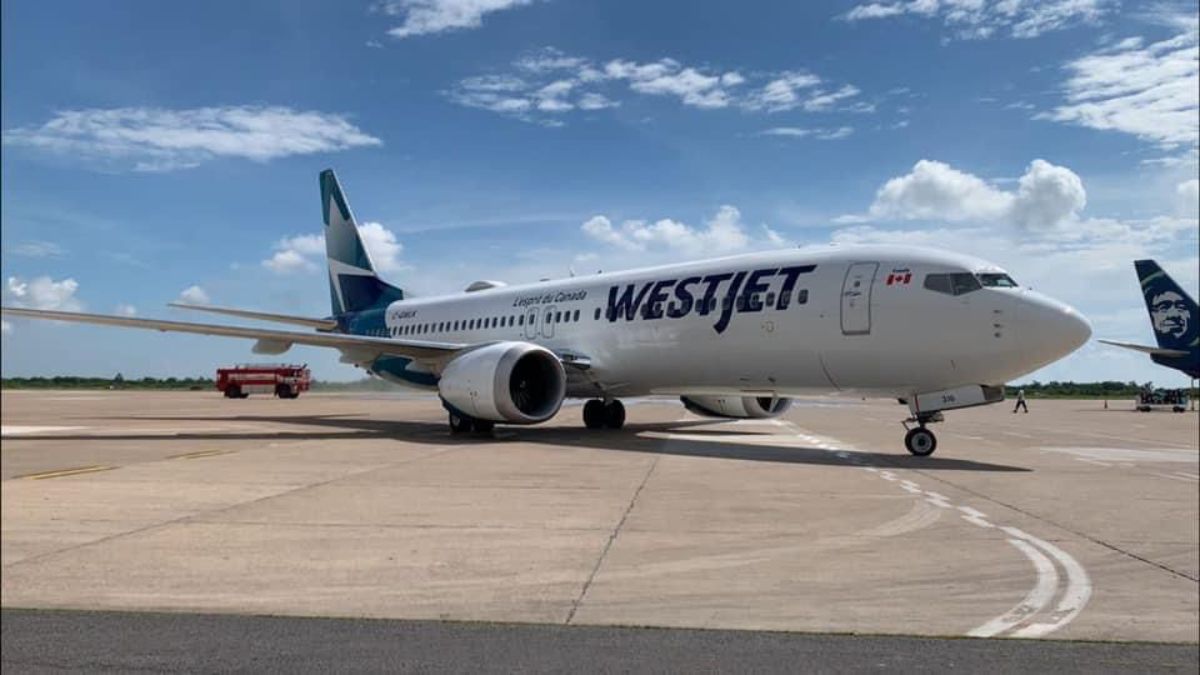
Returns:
<point x="856" y="298"/>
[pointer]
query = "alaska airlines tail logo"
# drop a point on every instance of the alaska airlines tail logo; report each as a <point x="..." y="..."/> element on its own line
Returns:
<point x="1172" y="311"/>
<point x="676" y="298"/>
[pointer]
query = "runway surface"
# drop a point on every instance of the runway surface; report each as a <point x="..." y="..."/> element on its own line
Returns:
<point x="1070" y="522"/>
<point x="40" y="641"/>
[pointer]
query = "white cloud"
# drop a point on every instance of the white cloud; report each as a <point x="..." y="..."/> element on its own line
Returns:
<point x="156" y="139"/>
<point x="296" y="254"/>
<point x="38" y="249"/>
<point x="978" y="19"/>
<point x="125" y="310"/>
<point x="381" y="243"/>
<point x="194" y="295"/>
<point x="44" y="293"/>
<point x="670" y="78"/>
<point x="833" y="134"/>
<point x="425" y="17"/>
<point x="1152" y="91"/>
<point x="723" y="233"/>
<point x="1189" y="198"/>
<point x="548" y="83"/>
<point x="306" y="252"/>
<point x="1047" y="196"/>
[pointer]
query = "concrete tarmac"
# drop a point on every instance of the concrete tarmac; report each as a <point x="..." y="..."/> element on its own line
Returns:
<point x="1070" y="522"/>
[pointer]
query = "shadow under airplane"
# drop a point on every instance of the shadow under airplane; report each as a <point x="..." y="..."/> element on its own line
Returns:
<point x="632" y="438"/>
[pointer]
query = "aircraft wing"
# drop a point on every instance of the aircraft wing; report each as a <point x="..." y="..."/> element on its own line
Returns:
<point x="1145" y="349"/>
<point x="362" y="347"/>
<point x="319" y="324"/>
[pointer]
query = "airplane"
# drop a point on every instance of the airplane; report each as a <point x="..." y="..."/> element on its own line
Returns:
<point x="1174" y="318"/>
<point x="733" y="337"/>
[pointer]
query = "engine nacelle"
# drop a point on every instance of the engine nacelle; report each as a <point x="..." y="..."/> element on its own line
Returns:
<point x="736" y="407"/>
<point x="513" y="382"/>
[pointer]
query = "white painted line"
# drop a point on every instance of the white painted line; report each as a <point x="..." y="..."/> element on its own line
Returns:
<point x="1167" y="475"/>
<point x="1187" y="475"/>
<point x="940" y="503"/>
<point x="977" y="521"/>
<point x="919" y="517"/>
<point x="937" y="496"/>
<point x="1072" y="602"/>
<point x="909" y="484"/>
<point x="911" y="488"/>
<point x="1037" y="598"/>
<point x="1092" y="461"/>
<point x="974" y="513"/>
<point x="18" y="430"/>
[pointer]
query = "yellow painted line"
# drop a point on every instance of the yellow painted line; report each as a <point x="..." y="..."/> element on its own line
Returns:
<point x="59" y="473"/>
<point x="202" y="453"/>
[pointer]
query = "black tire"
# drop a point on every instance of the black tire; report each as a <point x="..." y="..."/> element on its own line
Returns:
<point x="920" y="442"/>
<point x="460" y="424"/>
<point x="234" y="392"/>
<point x="483" y="426"/>
<point x="614" y="415"/>
<point x="593" y="414"/>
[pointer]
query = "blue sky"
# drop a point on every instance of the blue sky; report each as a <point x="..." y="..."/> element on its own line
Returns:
<point x="159" y="150"/>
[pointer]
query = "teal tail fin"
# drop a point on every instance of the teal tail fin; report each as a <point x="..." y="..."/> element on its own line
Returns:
<point x="1172" y="311"/>
<point x="353" y="284"/>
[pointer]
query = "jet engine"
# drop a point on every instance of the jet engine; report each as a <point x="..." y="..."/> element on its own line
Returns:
<point x="513" y="382"/>
<point x="737" y="407"/>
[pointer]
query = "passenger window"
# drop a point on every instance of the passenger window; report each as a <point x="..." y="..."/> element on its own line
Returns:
<point x="596" y="316"/>
<point x="521" y="320"/>
<point x="576" y="318"/>
<point x="770" y="299"/>
<point x="802" y="296"/>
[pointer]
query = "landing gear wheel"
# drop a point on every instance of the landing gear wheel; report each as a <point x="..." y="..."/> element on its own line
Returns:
<point x="483" y="426"/>
<point x="920" y="442"/>
<point x="614" y="415"/>
<point x="459" y="424"/>
<point x="593" y="414"/>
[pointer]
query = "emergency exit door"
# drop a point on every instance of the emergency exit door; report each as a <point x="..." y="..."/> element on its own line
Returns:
<point x="856" y="298"/>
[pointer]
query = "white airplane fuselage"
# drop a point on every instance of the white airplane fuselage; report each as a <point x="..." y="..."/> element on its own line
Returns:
<point x="846" y="327"/>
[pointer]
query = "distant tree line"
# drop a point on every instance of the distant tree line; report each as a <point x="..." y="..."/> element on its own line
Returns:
<point x="1106" y="389"/>
<point x="168" y="383"/>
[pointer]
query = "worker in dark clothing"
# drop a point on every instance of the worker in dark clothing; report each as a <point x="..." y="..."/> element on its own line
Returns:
<point x="1021" y="402"/>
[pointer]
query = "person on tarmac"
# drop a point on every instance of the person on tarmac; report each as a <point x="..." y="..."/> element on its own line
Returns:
<point x="1021" y="401"/>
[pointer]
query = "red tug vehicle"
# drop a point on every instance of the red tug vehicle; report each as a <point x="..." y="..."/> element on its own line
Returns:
<point x="281" y="379"/>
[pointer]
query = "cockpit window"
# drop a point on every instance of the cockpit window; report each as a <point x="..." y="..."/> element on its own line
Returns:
<point x="990" y="280"/>
<point x="957" y="283"/>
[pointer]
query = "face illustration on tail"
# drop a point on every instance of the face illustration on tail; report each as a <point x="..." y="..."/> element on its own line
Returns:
<point x="1170" y="314"/>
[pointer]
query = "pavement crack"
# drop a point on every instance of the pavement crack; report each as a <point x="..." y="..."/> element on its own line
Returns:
<point x="608" y="545"/>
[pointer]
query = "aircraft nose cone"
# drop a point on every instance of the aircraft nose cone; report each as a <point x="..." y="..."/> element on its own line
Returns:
<point x="1052" y="329"/>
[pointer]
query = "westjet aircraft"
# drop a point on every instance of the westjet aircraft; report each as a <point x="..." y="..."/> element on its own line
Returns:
<point x="733" y="337"/>
<point x="1174" y="318"/>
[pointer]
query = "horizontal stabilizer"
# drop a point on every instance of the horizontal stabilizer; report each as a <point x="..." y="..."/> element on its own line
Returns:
<point x="364" y="347"/>
<point x="1145" y="349"/>
<point x="308" y="322"/>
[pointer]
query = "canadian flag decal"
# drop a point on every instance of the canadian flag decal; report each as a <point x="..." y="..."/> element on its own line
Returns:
<point x="899" y="277"/>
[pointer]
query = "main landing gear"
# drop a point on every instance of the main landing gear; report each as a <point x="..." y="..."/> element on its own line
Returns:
<point x="919" y="440"/>
<point x="461" y="424"/>
<point x="598" y="414"/>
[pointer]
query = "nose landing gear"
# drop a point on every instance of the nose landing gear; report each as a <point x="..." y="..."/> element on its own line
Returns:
<point x="919" y="440"/>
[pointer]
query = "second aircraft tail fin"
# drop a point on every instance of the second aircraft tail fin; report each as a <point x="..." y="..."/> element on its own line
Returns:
<point x="1172" y="311"/>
